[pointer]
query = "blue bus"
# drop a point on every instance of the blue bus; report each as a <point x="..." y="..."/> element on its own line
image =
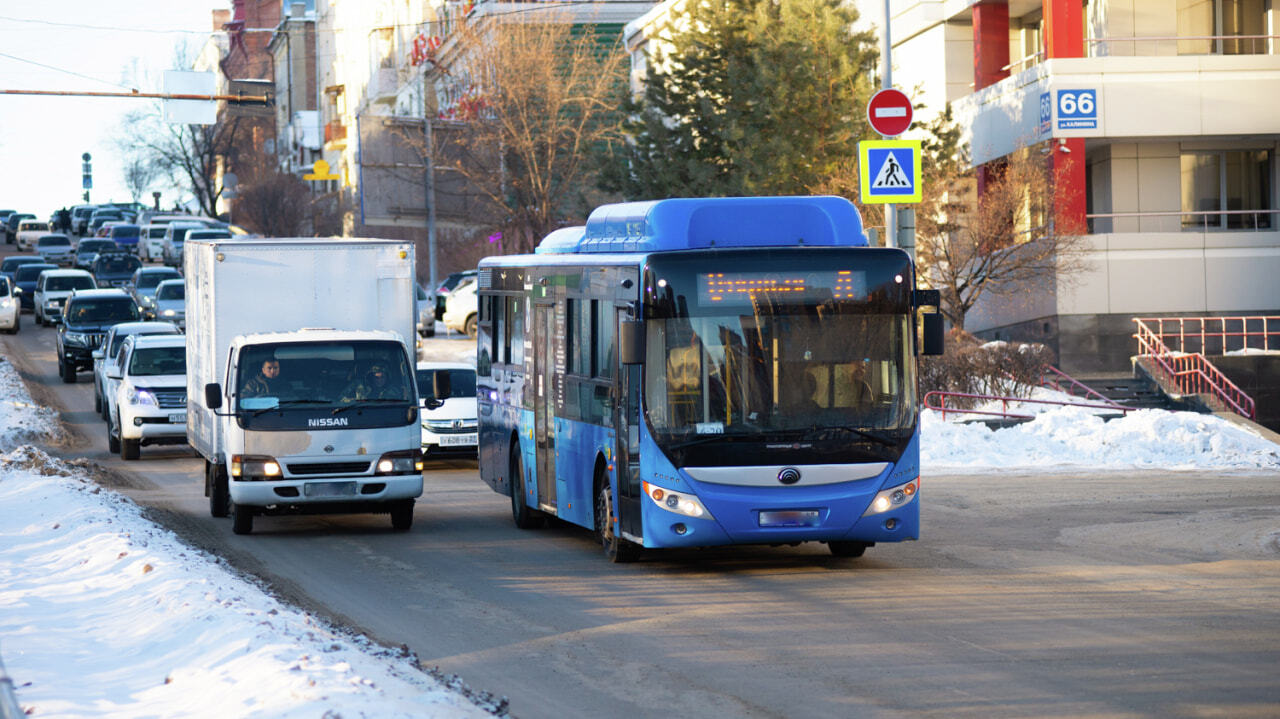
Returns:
<point x="700" y="372"/>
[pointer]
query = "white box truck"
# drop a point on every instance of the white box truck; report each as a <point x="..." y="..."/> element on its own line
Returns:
<point x="300" y="384"/>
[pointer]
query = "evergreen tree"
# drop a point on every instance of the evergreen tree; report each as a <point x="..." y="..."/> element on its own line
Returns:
<point x="747" y="97"/>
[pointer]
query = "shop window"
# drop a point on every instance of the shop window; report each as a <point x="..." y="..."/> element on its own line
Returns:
<point x="1227" y="190"/>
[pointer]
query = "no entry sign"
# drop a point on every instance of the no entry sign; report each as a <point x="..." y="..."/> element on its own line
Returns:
<point x="889" y="112"/>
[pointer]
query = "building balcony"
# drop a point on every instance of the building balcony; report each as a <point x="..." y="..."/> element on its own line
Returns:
<point x="335" y="132"/>
<point x="384" y="85"/>
<point x="1132" y="97"/>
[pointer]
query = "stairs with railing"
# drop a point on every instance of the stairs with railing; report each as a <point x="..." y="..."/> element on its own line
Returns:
<point x="1183" y="373"/>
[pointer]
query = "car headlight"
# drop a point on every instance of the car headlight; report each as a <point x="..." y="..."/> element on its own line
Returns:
<point x="6" y="303"/>
<point x="893" y="497"/>
<point x="677" y="502"/>
<point x="255" y="467"/>
<point x="140" y="397"/>
<point x="169" y="313"/>
<point x="52" y="305"/>
<point x="78" y="339"/>
<point x="407" y="461"/>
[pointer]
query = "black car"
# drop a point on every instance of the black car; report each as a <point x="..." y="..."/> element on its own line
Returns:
<point x="114" y="269"/>
<point x="87" y="316"/>
<point x="24" y="279"/>
<point x="12" y="262"/>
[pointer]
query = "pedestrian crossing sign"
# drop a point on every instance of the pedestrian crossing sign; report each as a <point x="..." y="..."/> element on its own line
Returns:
<point x="889" y="171"/>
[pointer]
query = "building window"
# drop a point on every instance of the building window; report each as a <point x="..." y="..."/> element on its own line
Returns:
<point x="1222" y="27"/>
<point x="1227" y="190"/>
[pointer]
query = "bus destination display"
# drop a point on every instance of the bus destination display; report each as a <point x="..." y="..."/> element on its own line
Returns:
<point x="816" y="286"/>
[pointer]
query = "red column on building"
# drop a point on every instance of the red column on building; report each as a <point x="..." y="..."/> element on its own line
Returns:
<point x="1064" y="38"/>
<point x="990" y="56"/>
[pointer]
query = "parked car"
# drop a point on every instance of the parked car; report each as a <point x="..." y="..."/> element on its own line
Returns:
<point x="29" y="231"/>
<point x="111" y="346"/>
<point x="53" y="287"/>
<point x="174" y="235"/>
<point x="80" y="215"/>
<point x="24" y="282"/>
<point x="113" y="269"/>
<point x="4" y="217"/>
<point x="448" y="285"/>
<point x="460" y="309"/>
<point x="10" y="308"/>
<point x="447" y="401"/>
<point x="11" y="225"/>
<point x="171" y="302"/>
<point x="126" y="235"/>
<point x="151" y="242"/>
<point x="12" y="262"/>
<point x="88" y="249"/>
<point x="142" y="286"/>
<point x="56" y="250"/>
<point x="87" y="316"/>
<point x="426" y="311"/>
<point x="149" y="404"/>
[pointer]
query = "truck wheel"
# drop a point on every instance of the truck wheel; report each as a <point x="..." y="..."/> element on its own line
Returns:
<point x="402" y="515"/>
<point x="113" y="441"/>
<point x="130" y="448"/>
<point x="219" y="493"/>
<point x="525" y="516"/>
<point x="472" y="326"/>
<point x="848" y="549"/>
<point x="241" y="519"/>
<point x="616" y="548"/>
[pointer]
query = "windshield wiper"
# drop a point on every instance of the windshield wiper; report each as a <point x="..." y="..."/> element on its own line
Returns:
<point x="286" y="403"/>
<point x="815" y="432"/>
<point x="367" y="403"/>
<point x="703" y="439"/>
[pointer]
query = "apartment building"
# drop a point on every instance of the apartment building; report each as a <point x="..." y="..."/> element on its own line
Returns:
<point x="1160" y="119"/>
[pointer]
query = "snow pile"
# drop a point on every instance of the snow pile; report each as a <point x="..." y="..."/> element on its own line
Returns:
<point x="22" y="421"/>
<point x="105" y="614"/>
<point x="1072" y="438"/>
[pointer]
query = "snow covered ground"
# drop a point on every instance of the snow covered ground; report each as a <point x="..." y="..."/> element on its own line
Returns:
<point x="104" y="614"/>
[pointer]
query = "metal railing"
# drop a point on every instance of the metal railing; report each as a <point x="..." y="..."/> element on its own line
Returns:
<point x="1190" y="373"/>
<point x="1212" y="44"/>
<point x="1199" y="221"/>
<point x="1216" y="335"/>
<point x="941" y="404"/>
<point x="1055" y="379"/>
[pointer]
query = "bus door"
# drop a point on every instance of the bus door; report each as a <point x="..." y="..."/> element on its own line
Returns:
<point x="627" y="427"/>
<point x="544" y="435"/>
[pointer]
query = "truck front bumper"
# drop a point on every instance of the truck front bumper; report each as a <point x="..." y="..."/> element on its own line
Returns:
<point x="320" y="491"/>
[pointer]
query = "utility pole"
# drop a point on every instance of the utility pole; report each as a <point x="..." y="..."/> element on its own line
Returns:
<point x="428" y="160"/>
<point x="886" y="83"/>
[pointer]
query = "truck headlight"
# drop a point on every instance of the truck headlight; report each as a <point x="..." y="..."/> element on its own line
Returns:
<point x="893" y="497"/>
<point x="254" y="467"/>
<point x="140" y="397"/>
<point x="407" y="461"/>
<point x="677" y="502"/>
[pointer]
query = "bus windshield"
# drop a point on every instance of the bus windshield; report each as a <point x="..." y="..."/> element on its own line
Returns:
<point x="816" y="349"/>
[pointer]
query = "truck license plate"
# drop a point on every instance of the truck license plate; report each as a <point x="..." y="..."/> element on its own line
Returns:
<point x="178" y="418"/>
<point x="459" y="440"/>
<point x="329" y="489"/>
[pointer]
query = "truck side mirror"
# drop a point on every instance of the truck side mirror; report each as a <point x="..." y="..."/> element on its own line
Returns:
<point x="213" y="396"/>
<point x="631" y="342"/>
<point x="931" y="342"/>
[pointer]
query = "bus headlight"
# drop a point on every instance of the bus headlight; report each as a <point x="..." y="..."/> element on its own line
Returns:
<point x="408" y="461"/>
<point x="254" y="467"/>
<point x="893" y="497"/>
<point x="677" y="502"/>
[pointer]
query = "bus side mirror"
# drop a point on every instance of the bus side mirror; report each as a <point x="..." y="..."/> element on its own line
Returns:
<point x="631" y="342"/>
<point x="931" y="342"/>
<point x="213" y="396"/>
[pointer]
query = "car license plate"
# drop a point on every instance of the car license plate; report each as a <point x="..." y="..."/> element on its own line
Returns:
<point x="329" y="489"/>
<point x="178" y="418"/>
<point x="459" y="440"/>
<point x="790" y="518"/>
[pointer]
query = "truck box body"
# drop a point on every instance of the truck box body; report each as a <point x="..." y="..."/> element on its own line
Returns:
<point x="323" y="310"/>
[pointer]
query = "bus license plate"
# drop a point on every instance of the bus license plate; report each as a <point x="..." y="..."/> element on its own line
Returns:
<point x="178" y="418"/>
<point x="801" y="518"/>
<point x="459" y="440"/>
<point x="329" y="489"/>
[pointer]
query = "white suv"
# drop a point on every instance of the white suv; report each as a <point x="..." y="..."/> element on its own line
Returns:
<point x="106" y="354"/>
<point x="149" y="405"/>
<point x="52" y="290"/>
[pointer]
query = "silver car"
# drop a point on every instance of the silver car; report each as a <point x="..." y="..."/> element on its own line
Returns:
<point x="56" y="250"/>
<point x="171" y="302"/>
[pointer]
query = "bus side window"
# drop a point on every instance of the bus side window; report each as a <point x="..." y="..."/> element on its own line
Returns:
<point x="488" y="338"/>
<point x="516" y="345"/>
<point x="604" y="332"/>
<point x="502" y="331"/>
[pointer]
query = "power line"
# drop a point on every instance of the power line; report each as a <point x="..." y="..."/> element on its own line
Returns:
<point x="64" y="70"/>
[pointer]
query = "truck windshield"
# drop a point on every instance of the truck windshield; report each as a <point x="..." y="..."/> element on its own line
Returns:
<point x="304" y="385"/>
<point x="805" y="350"/>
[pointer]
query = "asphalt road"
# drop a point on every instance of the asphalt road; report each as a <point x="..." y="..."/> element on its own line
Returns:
<point x="1117" y="594"/>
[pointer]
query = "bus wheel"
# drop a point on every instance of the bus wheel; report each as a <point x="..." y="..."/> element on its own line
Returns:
<point x="616" y="549"/>
<point x="848" y="549"/>
<point x="525" y="516"/>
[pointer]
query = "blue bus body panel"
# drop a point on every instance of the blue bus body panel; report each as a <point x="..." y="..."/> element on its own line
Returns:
<point x="704" y="223"/>
<point x="577" y="445"/>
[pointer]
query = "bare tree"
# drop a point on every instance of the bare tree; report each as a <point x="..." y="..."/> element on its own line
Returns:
<point x="997" y="242"/>
<point x="538" y="97"/>
<point x="138" y="176"/>
<point x="280" y="204"/>
<point x="188" y="155"/>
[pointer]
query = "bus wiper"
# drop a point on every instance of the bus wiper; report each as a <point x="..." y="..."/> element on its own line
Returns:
<point x="703" y="439"/>
<point x="874" y="436"/>
<point x="367" y="403"/>
<point x="286" y="403"/>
